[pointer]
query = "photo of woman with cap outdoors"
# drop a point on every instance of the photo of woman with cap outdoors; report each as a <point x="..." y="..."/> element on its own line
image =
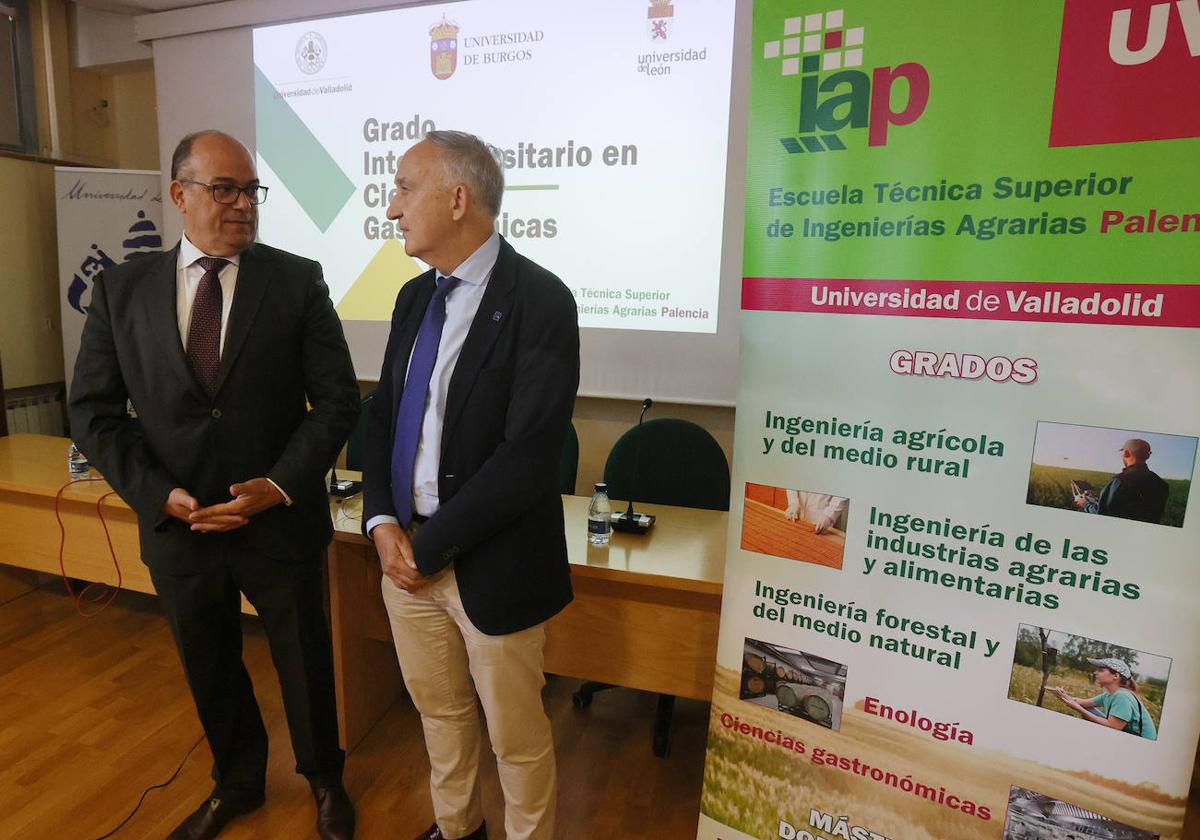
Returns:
<point x="1119" y="705"/>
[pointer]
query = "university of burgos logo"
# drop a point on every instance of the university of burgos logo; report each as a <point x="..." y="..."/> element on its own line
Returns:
<point x="142" y="240"/>
<point x="311" y="52"/>
<point x="834" y="93"/>
<point x="658" y="19"/>
<point x="1128" y="70"/>
<point x="443" y="49"/>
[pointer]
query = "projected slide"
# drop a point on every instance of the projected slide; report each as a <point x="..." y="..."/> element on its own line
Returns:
<point x="610" y="119"/>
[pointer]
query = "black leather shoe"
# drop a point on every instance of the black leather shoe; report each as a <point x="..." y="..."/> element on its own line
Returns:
<point x="435" y="833"/>
<point x="335" y="813"/>
<point x="212" y="816"/>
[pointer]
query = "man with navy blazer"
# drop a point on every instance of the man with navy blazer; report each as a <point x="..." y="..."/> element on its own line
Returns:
<point x="221" y="344"/>
<point x="463" y="444"/>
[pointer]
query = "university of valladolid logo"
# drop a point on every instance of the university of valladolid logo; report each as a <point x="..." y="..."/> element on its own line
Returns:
<point x="1128" y="70"/>
<point x="443" y="49"/>
<point x="659" y="17"/>
<point x="825" y="55"/>
<point x="311" y="52"/>
<point x="142" y="240"/>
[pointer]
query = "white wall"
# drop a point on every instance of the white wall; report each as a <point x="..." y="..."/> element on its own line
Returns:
<point x="201" y="81"/>
<point x="99" y="38"/>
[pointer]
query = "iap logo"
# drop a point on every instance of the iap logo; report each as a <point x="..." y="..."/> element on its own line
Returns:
<point x="1128" y="70"/>
<point x="834" y="94"/>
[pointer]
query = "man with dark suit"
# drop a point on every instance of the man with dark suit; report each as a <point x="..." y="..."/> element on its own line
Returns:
<point x="220" y="343"/>
<point x="463" y="442"/>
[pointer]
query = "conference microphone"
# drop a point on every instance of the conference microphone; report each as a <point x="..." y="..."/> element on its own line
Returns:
<point x="630" y="522"/>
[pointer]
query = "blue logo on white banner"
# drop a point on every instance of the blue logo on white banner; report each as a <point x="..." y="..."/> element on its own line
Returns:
<point x="144" y="239"/>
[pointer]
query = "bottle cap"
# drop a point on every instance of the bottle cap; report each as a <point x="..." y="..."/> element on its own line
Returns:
<point x="601" y="487"/>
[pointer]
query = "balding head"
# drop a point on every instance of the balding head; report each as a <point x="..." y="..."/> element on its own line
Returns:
<point x="183" y="149"/>
<point x="201" y="160"/>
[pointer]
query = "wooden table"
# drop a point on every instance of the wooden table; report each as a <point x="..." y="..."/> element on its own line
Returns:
<point x="645" y="613"/>
<point x="32" y="470"/>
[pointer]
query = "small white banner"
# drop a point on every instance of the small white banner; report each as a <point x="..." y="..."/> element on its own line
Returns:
<point x="105" y="217"/>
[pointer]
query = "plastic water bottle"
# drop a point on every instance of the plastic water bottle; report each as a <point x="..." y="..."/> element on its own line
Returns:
<point x="599" y="516"/>
<point x="77" y="463"/>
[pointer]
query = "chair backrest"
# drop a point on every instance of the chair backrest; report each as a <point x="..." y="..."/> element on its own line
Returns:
<point x="679" y="463"/>
<point x="354" y="446"/>
<point x="568" y="464"/>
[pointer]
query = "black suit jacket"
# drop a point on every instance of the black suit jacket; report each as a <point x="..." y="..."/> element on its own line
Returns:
<point x="283" y="346"/>
<point x="511" y="394"/>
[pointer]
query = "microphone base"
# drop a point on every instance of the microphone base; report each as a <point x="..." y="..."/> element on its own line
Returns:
<point x="637" y="523"/>
<point x="344" y="488"/>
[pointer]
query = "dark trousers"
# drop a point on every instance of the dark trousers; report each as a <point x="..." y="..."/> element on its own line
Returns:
<point x="204" y="611"/>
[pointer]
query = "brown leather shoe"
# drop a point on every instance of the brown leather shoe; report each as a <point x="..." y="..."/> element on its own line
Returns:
<point x="335" y="813"/>
<point x="435" y="833"/>
<point x="212" y="816"/>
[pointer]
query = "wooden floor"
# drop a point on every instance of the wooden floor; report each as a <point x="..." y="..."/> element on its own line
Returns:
<point x="95" y="710"/>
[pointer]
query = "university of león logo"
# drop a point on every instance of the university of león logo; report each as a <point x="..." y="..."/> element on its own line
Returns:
<point x="659" y="17"/>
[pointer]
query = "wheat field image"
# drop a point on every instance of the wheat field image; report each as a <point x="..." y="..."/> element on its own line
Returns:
<point x="1051" y="487"/>
<point x="750" y="785"/>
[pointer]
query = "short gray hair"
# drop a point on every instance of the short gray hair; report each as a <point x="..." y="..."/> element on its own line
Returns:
<point x="470" y="161"/>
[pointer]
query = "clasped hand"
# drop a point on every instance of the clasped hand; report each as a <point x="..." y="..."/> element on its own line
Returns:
<point x="249" y="498"/>
<point x="396" y="558"/>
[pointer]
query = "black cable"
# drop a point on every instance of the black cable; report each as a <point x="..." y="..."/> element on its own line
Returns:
<point x="186" y="756"/>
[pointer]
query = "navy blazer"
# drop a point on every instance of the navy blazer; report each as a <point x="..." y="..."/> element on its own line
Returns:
<point x="511" y="395"/>
<point x="284" y="348"/>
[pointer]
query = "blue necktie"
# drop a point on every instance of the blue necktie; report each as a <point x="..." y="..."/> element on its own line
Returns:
<point x="414" y="398"/>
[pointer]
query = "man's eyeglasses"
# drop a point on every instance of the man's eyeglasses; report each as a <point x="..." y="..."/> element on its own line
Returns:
<point x="228" y="193"/>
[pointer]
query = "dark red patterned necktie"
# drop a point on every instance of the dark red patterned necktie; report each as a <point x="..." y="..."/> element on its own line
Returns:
<point x="204" y="328"/>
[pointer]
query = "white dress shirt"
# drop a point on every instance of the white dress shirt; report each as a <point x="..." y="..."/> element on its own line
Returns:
<point x="188" y="273"/>
<point x="461" y="305"/>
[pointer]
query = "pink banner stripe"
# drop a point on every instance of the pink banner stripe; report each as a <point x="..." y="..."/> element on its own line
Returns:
<point x="1154" y="305"/>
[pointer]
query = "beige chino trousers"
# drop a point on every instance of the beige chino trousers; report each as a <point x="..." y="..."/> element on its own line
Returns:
<point x="446" y="661"/>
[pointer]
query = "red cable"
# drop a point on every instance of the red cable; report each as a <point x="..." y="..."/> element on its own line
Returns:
<point x="101" y="596"/>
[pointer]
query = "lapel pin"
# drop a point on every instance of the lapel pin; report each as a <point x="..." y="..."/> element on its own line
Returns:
<point x="496" y="316"/>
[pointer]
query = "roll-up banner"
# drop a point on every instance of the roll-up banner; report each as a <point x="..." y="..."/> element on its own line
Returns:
<point x="961" y="598"/>
<point x="105" y="217"/>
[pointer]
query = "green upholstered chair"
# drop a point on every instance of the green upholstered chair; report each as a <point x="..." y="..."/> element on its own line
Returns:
<point x="678" y="463"/>
<point x="354" y="446"/>
<point x="568" y="464"/>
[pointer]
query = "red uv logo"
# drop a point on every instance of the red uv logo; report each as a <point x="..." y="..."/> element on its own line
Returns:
<point x="1128" y="70"/>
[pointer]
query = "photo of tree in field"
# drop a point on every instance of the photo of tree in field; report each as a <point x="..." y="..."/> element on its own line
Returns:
<point x="1034" y="816"/>
<point x="1112" y="686"/>
<point x="1121" y="473"/>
